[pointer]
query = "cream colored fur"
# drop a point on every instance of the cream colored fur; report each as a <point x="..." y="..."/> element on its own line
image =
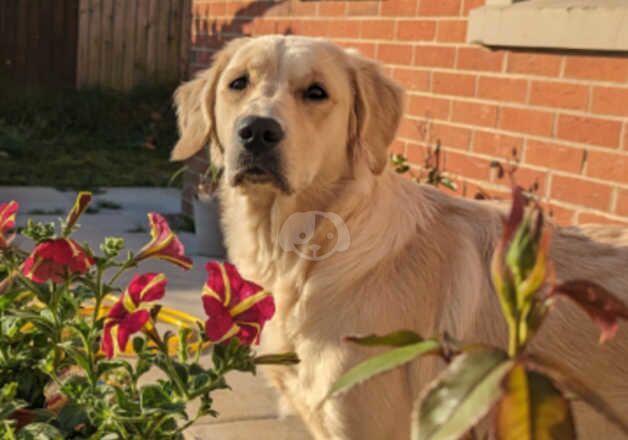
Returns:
<point x="418" y="258"/>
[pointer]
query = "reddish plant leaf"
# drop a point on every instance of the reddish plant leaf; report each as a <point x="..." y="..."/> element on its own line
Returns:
<point x="516" y="214"/>
<point x="602" y="306"/>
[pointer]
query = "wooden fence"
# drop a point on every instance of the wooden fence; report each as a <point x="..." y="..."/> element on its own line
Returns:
<point x="126" y="42"/>
<point x="38" y="40"/>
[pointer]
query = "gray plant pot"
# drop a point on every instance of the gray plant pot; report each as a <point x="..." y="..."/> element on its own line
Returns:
<point x="209" y="241"/>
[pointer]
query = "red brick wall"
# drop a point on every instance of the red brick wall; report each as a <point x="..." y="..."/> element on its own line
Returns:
<point x="566" y="113"/>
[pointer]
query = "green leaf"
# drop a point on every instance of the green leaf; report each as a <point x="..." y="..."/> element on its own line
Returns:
<point x="39" y="431"/>
<point x="461" y="395"/>
<point x="568" y="382"/>
<point x="533" y="409"/>
<point x="277" y="359"/>
<point x="382" y="363"/>
<point x="78" y="357"/>
<point x="154" y="397"/>
<point x="395" y="339"/>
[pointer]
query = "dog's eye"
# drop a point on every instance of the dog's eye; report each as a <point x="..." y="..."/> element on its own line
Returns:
<point x="315" y="93"/>
<point x="239" y="83"/>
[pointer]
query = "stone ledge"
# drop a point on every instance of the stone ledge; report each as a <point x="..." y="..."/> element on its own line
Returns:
<point x="556" y="24"/>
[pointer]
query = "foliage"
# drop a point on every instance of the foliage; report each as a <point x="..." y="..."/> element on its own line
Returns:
<point x="431" y="172"/>
<point x="103" y="137"/>
<point x="61" y="374"/>
<point x="529" y="395"/>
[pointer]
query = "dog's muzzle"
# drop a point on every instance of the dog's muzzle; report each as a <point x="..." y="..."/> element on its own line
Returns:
<point x="258" y="161"/>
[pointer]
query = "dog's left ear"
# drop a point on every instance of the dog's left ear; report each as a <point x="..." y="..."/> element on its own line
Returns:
<point x="194" y="101"/>
<point x="377" y="111"/>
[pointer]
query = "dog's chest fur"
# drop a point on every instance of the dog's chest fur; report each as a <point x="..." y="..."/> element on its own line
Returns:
<point x="427" y="270"/>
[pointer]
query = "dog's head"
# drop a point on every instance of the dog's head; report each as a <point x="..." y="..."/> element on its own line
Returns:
<point x="284" y="112"/>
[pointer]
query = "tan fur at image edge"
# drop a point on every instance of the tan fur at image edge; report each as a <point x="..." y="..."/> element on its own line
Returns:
<point x="418" y="259"/>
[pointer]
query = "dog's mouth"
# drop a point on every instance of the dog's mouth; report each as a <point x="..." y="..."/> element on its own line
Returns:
<point x="257" y="174"/>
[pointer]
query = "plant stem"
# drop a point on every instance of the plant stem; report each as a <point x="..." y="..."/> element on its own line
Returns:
<point x="154" y="336"/>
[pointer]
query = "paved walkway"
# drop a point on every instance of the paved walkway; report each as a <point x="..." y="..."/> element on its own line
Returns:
<point x="250" y="410"/>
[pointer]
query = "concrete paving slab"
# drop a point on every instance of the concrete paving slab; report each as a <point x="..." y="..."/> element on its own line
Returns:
<point x="290" y="428"/>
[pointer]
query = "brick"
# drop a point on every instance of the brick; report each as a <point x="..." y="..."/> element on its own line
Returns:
<point x="593" y="218"/>
<point x="610" y="101"/>
<point x="434" y="56"/>
<point x="331" y="9"/>
<point x="503" y="89"/>
<point x="561" y="215"/>
<point x="474" y="113"/>
<point x="439" y="8"/>
<point x="497" y="144"/>
<point x="381" y="29"/>
<point x="417" y="153"/>
<point x="314" y="27"/>
<point x="451" y="136"/>
<point x="527" y="121"/>
<point x="452" y="31"/>
<point x="397" y="147"/>
<point x="412" y="79"/>
<point x="286" y="26"/>
<point x="416" y="30"/>
<point x="625" y="141"/>
<point x="234" y="7"/>
<point x="303" y="9"/>
<point x="589" y="130"/>
<point x="557" y="94"/>
<point x="529" y="178"/>
<point x="363" y="8"/>
<point x="346" y="29"/>
<point x="555" y="156"/>
<point x="464" y="165"/>
<point x="366" y="49"/>
<point x="534" y="63"/>
<point x="258" y="9"/>
<point x="581" y="192"/>
<point x="217" y="9"/>
<point x="601" y="68"/>
<point x="426" y="106"/>
<point x="608" y="166"/>
<point x="475" y="58"/>
<point x="469" y="5"/>
<point x="394" y="53"/>
<point x="409" y="129"/>
<point x="399" y="8"/>
<point x="622" y="202"/>
<point x="453" y="84"/>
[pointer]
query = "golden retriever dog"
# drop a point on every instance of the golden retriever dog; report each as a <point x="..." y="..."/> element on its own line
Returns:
<point x="312" y="212"/>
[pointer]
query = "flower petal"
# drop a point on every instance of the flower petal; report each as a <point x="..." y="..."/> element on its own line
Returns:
<point x="132" y="323"/>
<point x="147" y="287"/>
<point x="164" y="243"/>
<point x="80" y="205"/>
<point x="219" y="321"/>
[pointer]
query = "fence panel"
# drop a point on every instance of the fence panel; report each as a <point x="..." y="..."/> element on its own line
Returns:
<point x="123" y="43"/>
<point x="38" y="41"/>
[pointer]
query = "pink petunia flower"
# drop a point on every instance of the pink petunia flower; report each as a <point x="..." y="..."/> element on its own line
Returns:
<point x="234" y="306"/>
<point x="7" y="222"/>
<point x="131" y="312"/>
<point x="53" y="259"/>
<point x="164" y="244"/>
<point x="80" y="205"/>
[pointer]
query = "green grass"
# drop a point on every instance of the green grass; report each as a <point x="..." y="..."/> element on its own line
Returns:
<point x="86" y="139"/>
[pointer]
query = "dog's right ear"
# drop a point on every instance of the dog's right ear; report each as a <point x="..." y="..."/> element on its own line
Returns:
<point x="194" y="102"/>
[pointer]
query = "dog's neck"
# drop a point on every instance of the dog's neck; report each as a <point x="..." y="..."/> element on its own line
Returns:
<point x="253" y="222"/>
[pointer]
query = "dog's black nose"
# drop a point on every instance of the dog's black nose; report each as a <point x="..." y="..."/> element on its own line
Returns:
<point x="259" y="134"/>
